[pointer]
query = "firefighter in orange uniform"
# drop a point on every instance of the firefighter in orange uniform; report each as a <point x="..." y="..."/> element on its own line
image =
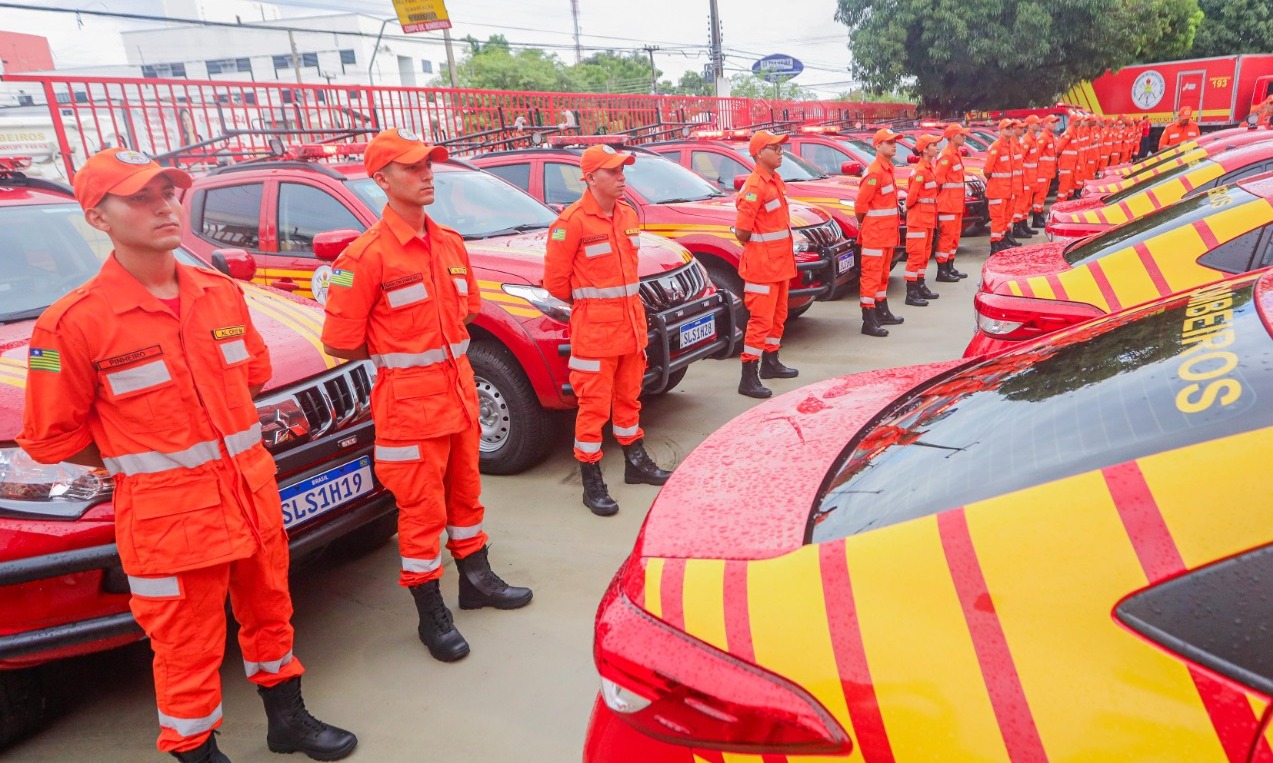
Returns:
<point x="879" y="226"/>
<point x="591" y="263"/>
<point x="921" y="220"/>
<point x="1092" y="148"/>
<point x="949" y="172"/>
<point x="1029" y="175"/>
<point x="763" y="227"/>
<point x="1047" y="169"/>
<point x="1104" y="156"/>
<point x="998" y="171"/>
<point x="1183" y="129"/>
<point x="401" y="295"/>
<point x="1067" y="160"/>
<point x="148" y="371"/>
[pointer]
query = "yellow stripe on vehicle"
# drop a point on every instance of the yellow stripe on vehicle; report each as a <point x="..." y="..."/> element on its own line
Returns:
<point x="654" y="587"/>
<point x="1015" y="288"/>
<point x="13" y="378"/>
<point x="309" y="316"/>
<point x="660" y="227"/>
<point x="310" y="331"/>
<point x="926" y="673"/>
<point x="1041" y="288"/>
<point x="704" y="597"/>
<point x="1036" y="548"/>
<point x="1080" y="286"/>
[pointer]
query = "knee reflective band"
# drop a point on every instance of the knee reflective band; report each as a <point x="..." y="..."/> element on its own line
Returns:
<point x="422" y="566"/>
<point x="872" y="252"/>
<point x="627" y="431"/>
<point x="580" y="364"/>
<point x="402" y="453"/>
<point x="188" y="727"/>
<point x="756" y="288"/>
<point x="463" y="533"/>
<point x="267" y="666"/>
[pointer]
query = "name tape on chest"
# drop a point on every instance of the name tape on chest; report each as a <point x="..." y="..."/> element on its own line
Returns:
<point x="129" y="358"/>
<point x="459" y="271"/>
<point x="402" y="282"/>
<point x="229" y="332"/>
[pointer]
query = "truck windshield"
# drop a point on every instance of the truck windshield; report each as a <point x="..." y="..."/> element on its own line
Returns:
<point x="475" y="204"/>
<point x="793" y="168"/>
<point x="1121" y="388"/>
<point x="661" y="181"/>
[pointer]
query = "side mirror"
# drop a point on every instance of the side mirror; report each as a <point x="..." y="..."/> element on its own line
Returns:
<point x="236" y="263"/>
<point x="330" y="243"/>
<point x="557" y="207"/>
<point x="964" y="151"/>
<point x="912" y="159"/>
<point x="739" y="181"/>
<point x="851" y="168"/>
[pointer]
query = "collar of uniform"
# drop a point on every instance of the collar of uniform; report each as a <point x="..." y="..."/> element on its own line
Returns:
<point x="764" y="172"/>
<point x="400" y="228"/>
<point x="126" y="292"/>
<point x="590" y="205"/>
<point x="882" y="166"/>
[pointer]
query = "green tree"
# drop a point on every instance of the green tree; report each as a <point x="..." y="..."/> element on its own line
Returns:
<point x="748" y="85"/>
<point x="980" y="54"/>
<point x="691" y="83"/>
<point x="611" y="72"/>
<point x="1230" y="27"/>
<point x="493" y="65"/>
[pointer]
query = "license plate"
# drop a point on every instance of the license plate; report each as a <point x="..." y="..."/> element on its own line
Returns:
<point x="843" y="263"/>
<point x="697" y="331"/>
<point x="323" y="492"/>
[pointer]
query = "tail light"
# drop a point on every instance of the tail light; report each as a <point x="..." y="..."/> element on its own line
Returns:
<point x="679" y="690"/>
<point x="1017" y="318"/>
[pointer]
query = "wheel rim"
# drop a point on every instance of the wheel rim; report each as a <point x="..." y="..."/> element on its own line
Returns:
<point x="492" y="416"/>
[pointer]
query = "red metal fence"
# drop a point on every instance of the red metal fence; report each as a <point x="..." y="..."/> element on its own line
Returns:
<point x="159" y="116"/>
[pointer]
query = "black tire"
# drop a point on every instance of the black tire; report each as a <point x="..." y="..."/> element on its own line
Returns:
<point x="24" y="704"/>
<point x="517" y="432"/>
<point x="675" y="378"/>
<point x="727" y="279"/>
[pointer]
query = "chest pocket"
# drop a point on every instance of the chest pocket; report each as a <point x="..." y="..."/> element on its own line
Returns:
<point x="144" y="392"/>
<point x="405" y="291"/>
<point x="234" y="357"/>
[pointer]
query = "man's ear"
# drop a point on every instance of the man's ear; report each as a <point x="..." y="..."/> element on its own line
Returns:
<point x="94" y="217"/>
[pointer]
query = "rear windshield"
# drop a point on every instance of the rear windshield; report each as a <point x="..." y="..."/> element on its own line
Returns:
<point x="1145" y="381"/>
<point x="1153" y="224"/>
<point x="1144" y="183"/>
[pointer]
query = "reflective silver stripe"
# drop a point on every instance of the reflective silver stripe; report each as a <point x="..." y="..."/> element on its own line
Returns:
<point x="772" y="340"/>
<point x="150" y="374"/>
<point x="588" y="447"/>
<point x="881" y="295"/>
<point x="596" y="250"/>
<point x="188" y="727"/>
<point x="420" y="565"/>
<point x="926" y="201"/>
<point x="872" y="252"/>
<point x="242" y="442"/>
<point x="1069" y="153"/>
<point x="627" y="431"/>
<point x="608" y="292"/>
<point x="775" y="236"/>
<point x="914" y="234"/>
<point x="234" y="352"/>
<point x="579" y="364"/>
<point x="756" y="288"/>
<point x="154" y="588"/>
<point x="930" y="185"/>
<point x="418" y="359"/>
<point x="994" y="201"/>
<point x="882" y="212"/>
<point x="957" y="167"/>
<point x="461" y="285"/>
<point x="886" y="189"/>
<point x="268" y="666"/>
<point x="399" y="453"/>
<point x="952" y="185"/>
<point x="407" y="296"/>
<point x="867" y="301"/>
<point x="155" y="462"/>
<point x="912" y="272"/>
<point x="944" y="218"/>
<point x="772" y="204"/>
<point x="1001" y="174"/>
<point x="463" y="533"/>
<point x="635" y="241"/>
<point x="1030" y="166"/>
<point x="749" y="350"/>
<point x="1064" y="172"/>
<point x="460" y="348"/>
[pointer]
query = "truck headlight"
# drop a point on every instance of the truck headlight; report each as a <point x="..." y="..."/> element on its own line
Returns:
<point x="541" y="300"/>
<point x="803" y="242"/>
<point x="62" y="491"/>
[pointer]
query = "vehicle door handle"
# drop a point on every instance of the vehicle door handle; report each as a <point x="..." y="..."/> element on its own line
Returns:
<point x="286" y="284"/>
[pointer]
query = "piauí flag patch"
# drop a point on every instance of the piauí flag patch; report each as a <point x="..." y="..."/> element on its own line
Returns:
<point x="45" y="360"/>
<point x="559" y="234"/>
<point x="750" y="197"/>
<point x="343" y="278"/>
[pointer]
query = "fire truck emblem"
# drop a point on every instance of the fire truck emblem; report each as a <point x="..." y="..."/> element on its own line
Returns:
<point x="406" y="134"/>
<point x="132" y="157"/>
<point x="1148" y="89"/>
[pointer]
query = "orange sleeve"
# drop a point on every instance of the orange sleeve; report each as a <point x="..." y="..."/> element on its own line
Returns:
<point x="1162" y="140"/>
<point x="748" y="202"/>
<point x="60" y="393"/>
<point x="475" y="294"/>
<point x="866" y="193"/>
<point x="559" y="260"/>
<point x="353" y="292"/>
<point x="259" y="368"/>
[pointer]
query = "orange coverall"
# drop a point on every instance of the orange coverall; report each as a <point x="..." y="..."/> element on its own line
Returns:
<point x="921" y="218"/>
<point x="769" y="259"/>
<point x="877" y="198"/>
<point x="949" y="173"/>
<point x="999" y="186"/>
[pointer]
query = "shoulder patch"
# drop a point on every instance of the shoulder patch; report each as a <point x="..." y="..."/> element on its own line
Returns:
<point x="558" y="234"/>
<point x="343" y="278"/>
<point x="750" y="197"/>
<point x="39" y="359"/>
<point x="872" y="181"/>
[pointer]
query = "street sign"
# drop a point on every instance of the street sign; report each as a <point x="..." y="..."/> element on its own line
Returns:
<point x="777" y="68"/>
<point x="422" y="15"/>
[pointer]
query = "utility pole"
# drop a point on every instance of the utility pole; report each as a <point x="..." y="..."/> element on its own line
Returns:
<point x="450" y="56"/>
<point x="574" y="11"/>
<point x="296" y="57"/>
<point x="654" y="73"/>
<point x="718" y="57"/>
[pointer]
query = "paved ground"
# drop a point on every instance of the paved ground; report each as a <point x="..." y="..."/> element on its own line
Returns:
<point x="526" y="690"/>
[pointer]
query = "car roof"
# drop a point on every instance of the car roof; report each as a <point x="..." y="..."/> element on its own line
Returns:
<point x="558" y="151"/>
<point x="18" y="189"/>
<point x="339" y="170"/>
<point x="1259" y="185"/>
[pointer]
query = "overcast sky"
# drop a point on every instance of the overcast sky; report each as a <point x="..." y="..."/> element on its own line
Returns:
<point x="805" y="29"/>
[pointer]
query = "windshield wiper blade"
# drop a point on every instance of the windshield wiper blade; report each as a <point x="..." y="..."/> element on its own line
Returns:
<point x="519" y="228"/>
<point x="22" y="315"/>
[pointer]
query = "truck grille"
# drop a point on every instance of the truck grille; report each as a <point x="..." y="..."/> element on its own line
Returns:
<point x="674" y="288"/>
<point x="823" y="234"/>
<point x="975" y="187"/>
<point x="310" y="410"/>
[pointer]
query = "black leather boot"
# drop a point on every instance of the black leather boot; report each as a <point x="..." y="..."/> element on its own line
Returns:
<point x="885" y="315"/>
<point x="772" y="368"/>
<point x="926" y="292"/>
<point x="481" y="587"/>
<point x="871" y="323"/>
<point x="437" y="628"/>
<point x="750" y="384"/>
<point x="1023" y="230"/>
<point x="1038" y="221"/>
<point x="950" y="268"/>
<point x="596" y="496"/>
<point x="293" y="729"/>
<point x="639" y="468"/>
<point x="913" y="297"/>
<point x="1009" y="241"/>
<point x="943" y="268"/>
<point x="204" y="753"/>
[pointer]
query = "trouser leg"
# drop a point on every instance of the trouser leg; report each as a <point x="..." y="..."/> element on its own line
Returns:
<point x="464" y="510"/>
<point x="262" y="604"/>
<point x="919" y="244"/>
<point x="949" y="231"/>
<point x="762" y="302"/>
<point x="999" y="216"/>
<point x="626" y="397"/>
<point x="593" y="382"/>
<point x="414" y="474"/>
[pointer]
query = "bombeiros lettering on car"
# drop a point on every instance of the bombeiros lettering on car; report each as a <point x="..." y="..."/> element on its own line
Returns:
<point x="1206" y="365"/>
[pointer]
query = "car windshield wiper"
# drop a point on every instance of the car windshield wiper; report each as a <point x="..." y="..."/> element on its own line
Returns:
<point x="22" y="315"/>
<point x="520" y="228"/>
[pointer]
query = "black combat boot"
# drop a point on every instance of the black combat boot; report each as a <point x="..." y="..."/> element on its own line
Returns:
<point x="293" y="729"/>
<point x="995" y="247"/>
<point x="639" y="468"/>
<point x="950" y="268"/>
<point x="1009" y="241"/>
<point x="885" y="315"/>
<point x="596" y="496"/>
<point x="943" y="268"/>
<point x="871" y="323"/>
<point x="204" y="753"/>
<point x="1023" y="230"/>
<point x="772" y="368"/>
<point x="750" y="384"/>
<point x="1038" y="221"/>
<point x="437" y="628"/>
<point x="481" y="587"/>
<point x="926" y="292"/>
<point x="913" y="297"/>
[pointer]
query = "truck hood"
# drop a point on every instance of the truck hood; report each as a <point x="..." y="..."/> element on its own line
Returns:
<point x="291" y="327"/>
<point x="1022" y="262"/>
<point x="721" y="211"/>
<point x="520" y="257"/>
<point x="1076" y="205"/>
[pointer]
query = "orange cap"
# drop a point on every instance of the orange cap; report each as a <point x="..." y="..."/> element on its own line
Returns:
<point x="1051" y="118"/>
<point x="1006" y="123"/>
<point x="120" y="171"/>
<point x="398" y="144"/>
<point x="761" y="139"/>
<point x="884" y="134"/>
<point x="924" y="141"/>
<point x="601" y="157"/>
<point x="1186" y="112"/>
<point x="954" y="128"/>
<point x="1033" y="119"/>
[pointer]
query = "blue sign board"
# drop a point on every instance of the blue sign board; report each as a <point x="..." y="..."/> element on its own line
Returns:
<point x="777" y="68"/>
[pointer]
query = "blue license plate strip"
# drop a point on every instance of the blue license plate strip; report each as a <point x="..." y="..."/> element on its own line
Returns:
<point x="324" y="492"/>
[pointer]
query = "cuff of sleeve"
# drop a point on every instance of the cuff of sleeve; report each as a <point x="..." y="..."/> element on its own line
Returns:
<point x="344" y="333"/>
<point x="54" y="450"/>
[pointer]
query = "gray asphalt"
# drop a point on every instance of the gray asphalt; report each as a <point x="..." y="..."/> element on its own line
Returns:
<point x="526" y="690"/>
